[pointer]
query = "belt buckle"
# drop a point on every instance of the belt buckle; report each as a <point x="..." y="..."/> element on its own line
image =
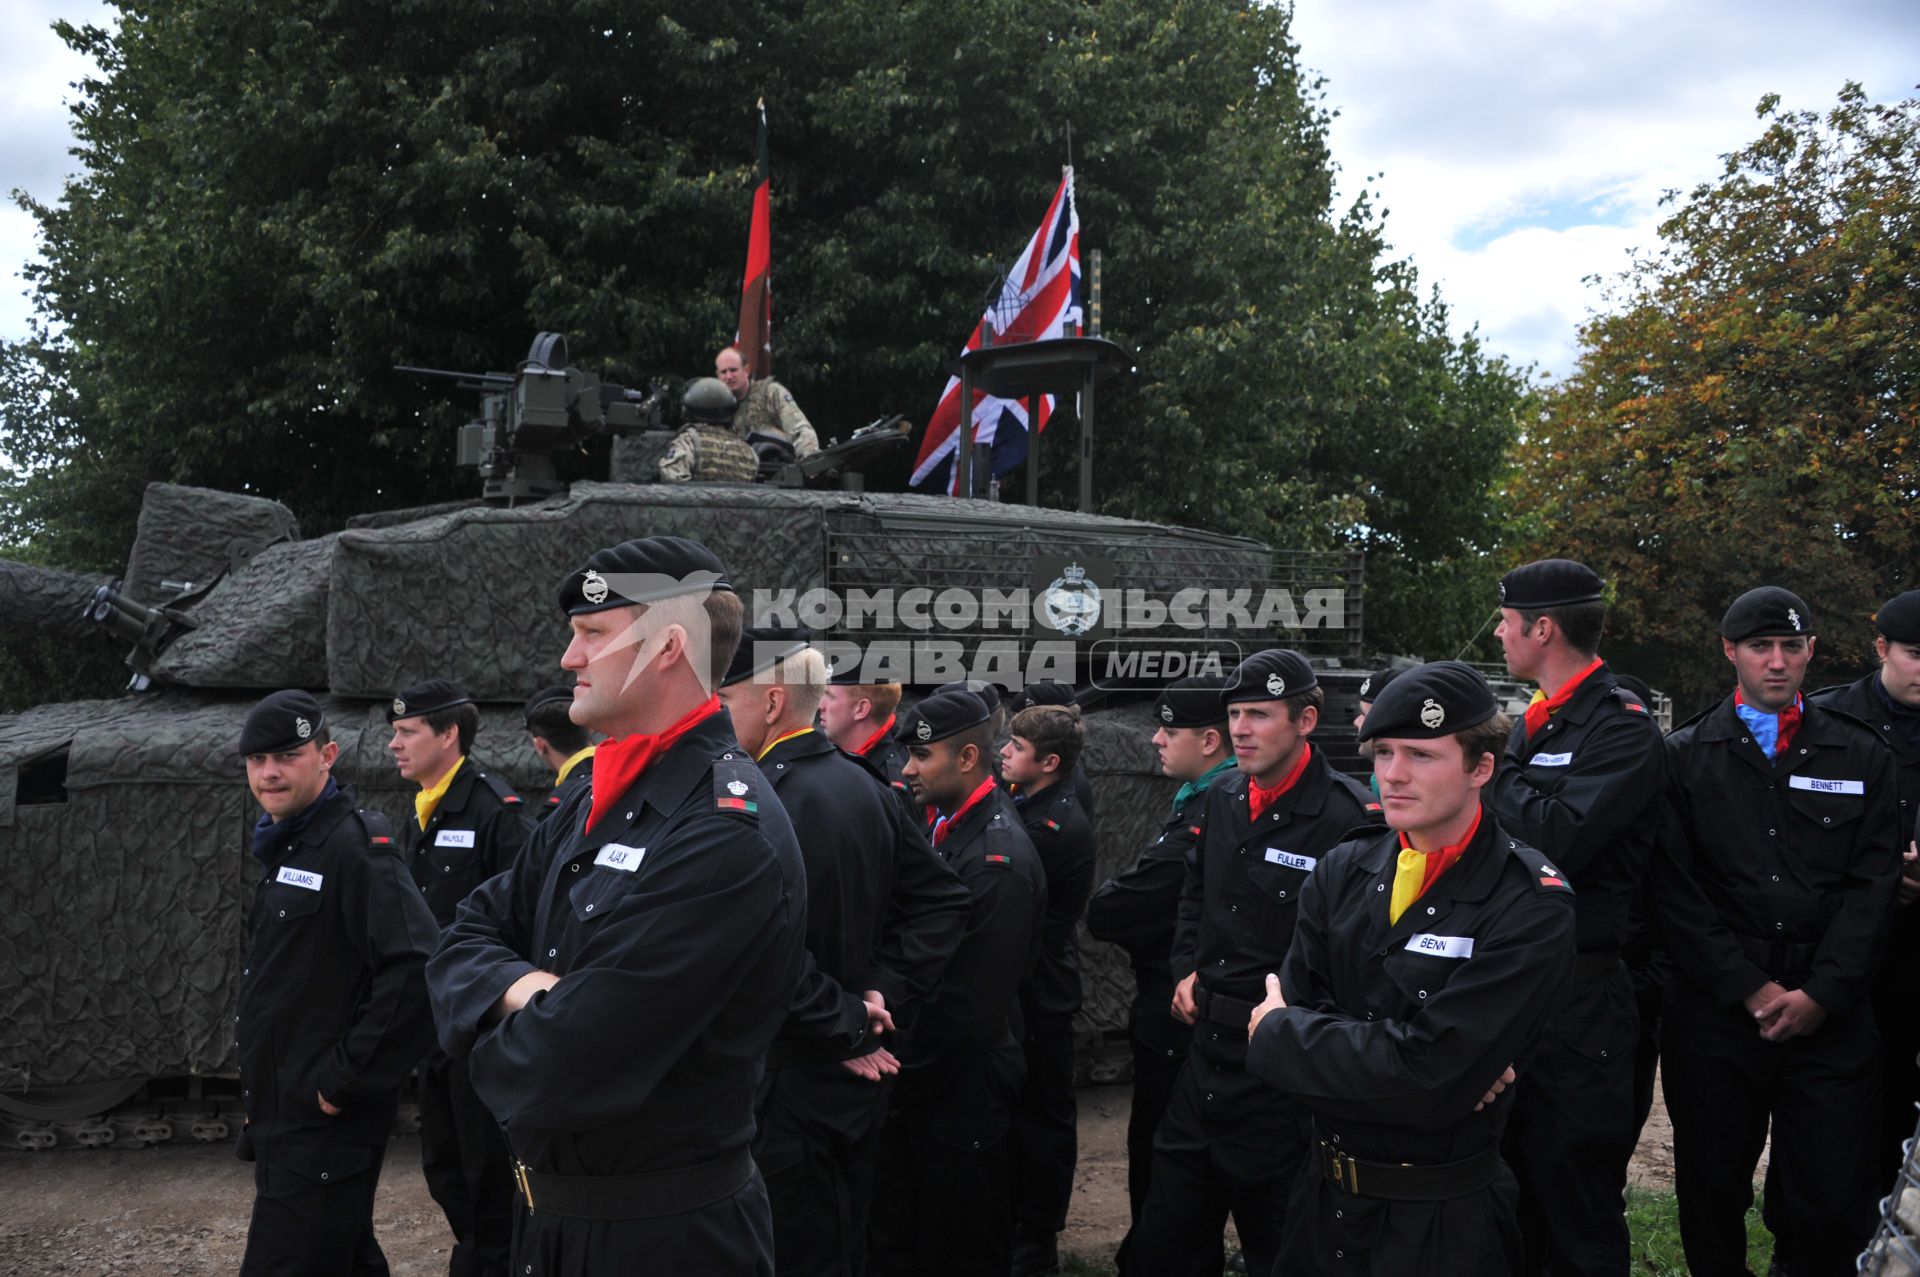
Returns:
<point x="1341" y="1168"/>
<point x="521" y="1182"/>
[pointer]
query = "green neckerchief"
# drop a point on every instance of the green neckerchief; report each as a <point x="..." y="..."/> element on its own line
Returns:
<point x="1200" y="786"/>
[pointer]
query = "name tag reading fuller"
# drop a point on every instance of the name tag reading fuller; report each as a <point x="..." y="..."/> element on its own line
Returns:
<point x="454" y="838"/>
<point x="1550" y="760"/>
<point x="1442" y="946"/>
<point x="1304" y="864"/>
<point x="617" y="856"/>
<point x="300" y="878"/>
<point x="1819" y="786"/>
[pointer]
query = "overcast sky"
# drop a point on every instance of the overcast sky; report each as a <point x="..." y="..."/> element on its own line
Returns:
<point x="1521" y="145"/>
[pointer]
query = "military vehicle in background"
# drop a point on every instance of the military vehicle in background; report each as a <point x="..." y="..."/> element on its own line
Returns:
<point x="124" y="823"/>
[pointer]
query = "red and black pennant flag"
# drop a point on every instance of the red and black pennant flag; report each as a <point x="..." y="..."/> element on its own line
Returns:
<point x="754" y="336"/>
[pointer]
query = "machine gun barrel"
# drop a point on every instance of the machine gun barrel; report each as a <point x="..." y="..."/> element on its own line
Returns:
<point x="463" y="380"/>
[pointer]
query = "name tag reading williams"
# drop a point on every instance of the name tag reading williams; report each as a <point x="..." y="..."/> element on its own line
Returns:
<point x="1827" y="786"/>
<point x="454" y="838"/>
<point x="616" y="856"/>
<point x="1550" y="760"/>
<point x="300" y="878"/>
<point x="1304" y="864"/>
<point x="1442" y="946"/>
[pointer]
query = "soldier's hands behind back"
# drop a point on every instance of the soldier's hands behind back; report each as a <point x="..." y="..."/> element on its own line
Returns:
<point x="874" y="1065"/>
<point x="1184" y="1009"/>
<point x="1500" y="1084"/>
<point x="879" y="1019"/>
<point x="1274" y="1002"/>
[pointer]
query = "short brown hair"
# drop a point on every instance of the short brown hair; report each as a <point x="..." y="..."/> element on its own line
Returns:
<point x="1581" y="624"/>
<point x="1481" y="739"/>
<point x="885" y="697"/>
<point x="1299" y="701"/>
<point x="725" y="616"/>
<point x="1052" y="729"/>
<point x="464" y="718"/>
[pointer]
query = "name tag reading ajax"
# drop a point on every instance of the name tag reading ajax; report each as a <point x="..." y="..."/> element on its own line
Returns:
<point x="616" y="856"/>
<point x="1827" y="786"/>
<point x="1304" y="864"/>
<point x="300" y="878"/>
<point x="1550" y="760"/>
<point x="1442" y="946"/>
<point x="454" y="838"/>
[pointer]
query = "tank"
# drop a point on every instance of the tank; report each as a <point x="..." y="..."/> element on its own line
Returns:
<point x="124" y="823"/>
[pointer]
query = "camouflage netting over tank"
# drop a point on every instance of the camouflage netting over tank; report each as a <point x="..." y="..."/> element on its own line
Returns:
<point x="36" y="600"/>
<point x="189" y="537"/>
<point x="263" y="628"/>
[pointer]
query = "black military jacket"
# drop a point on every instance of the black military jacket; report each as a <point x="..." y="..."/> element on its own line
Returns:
<point x="474" y="833"/>
<point x="1083" y="790"/>
<point x="1394" y="1031"/>
<point x="677" y="927"/>
<point x="1063" y="837"/>
<point x="1586" y="790"/>
<point x="581" y="777"/>
<point x="333" y="996"/>
<point x="1136" y="909"/>
<point x="1802" y="850"/>
<point x="1244" y="877"/>
<point x="1862" y="700"/>
<point x="889" y="757"/>
<point x="883" y="912"/>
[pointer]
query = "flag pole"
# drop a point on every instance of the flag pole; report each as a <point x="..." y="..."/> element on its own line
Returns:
<point x="754" y="332"/>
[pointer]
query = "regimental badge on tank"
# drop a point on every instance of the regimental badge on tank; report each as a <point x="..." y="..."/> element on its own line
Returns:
<point x="1793" y="619"/>
<point x="1072" y="603"/>
<point x="302" y="728"/>
<point x="1276" y="686"/>
<point x="923" y="730"/>
<point x="1166" y="713"/>
<point x="1431" y="715"/>
<point x="399" y="708"/>
<point x="737" y="788"/>
<point x="593" y="587"/>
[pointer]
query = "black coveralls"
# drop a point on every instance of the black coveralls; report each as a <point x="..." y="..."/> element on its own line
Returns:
<point x="882" y="913"/>
<point x="677" y="928"/>
<point x="475" y="832"/>
<point x="1229" y="1143"/>
<point x="1393" y="1032"/>
<point x="581" y="777"/>
<point x="332" y="1002"/>
<point x="1043" y="1148"/>
<point x="1585" y="789"/>
<point x="1780" y="870"/>
<point x="940" y="1194"/>
<point x="1136" y="911"/>
<point x="1896" y="988"/>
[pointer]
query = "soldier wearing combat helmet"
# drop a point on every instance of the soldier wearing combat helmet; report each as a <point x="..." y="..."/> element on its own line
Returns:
<point x="707" y="449"/>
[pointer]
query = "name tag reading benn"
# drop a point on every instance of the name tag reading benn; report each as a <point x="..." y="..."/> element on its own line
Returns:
<point x="454" y="838"/>
<point x="616" y="856"/>
<point x="1442" y="946"/>
<point x="300" y="878"/>
<point x="1819" y="786"/>
<point x="1304" y="864"/>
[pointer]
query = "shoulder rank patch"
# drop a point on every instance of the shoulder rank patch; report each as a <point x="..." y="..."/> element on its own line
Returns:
<point x="379" y="829"/>
<point x="999" y="861"/>
<point x="735" y="787"/>
<point x="1636" y="707"/>
<point x="1552" y="879"/>
<point x="1194" y="830"/>
<point x="1054" y="825"/>
<point x="511" y="800"/>
<point x="553" y="800"/>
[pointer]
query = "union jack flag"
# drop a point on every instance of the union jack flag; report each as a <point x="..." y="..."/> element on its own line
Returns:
<point x="1039" y="299"/>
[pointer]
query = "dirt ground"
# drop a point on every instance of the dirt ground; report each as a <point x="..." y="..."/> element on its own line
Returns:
<point x="181" y="1210"/>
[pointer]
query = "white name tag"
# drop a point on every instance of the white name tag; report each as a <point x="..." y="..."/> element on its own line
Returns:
<point x="1304" y="864"/>
<point x="1442" y="946"/>
<point x="300" y="878"/>
<point x="454" y="838"/>
<point x="1550" y="760"/>
<point x="1827" y="786"/>
<point x="616" y="856"/>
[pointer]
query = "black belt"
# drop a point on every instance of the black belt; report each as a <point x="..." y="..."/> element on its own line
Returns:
<point x="615" y="1197"/>
<point x="1218" y="1008"/>
<point x="1400" y="1181"/>
<point x="1778" y="957"/>
<point x="1596" y="965"/>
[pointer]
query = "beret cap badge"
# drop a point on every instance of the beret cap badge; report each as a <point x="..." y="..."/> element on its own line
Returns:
<point x="302" y="728"/>
<point x="1276" y="685"/>
<point x="924" y="730"/>
<point x="1431" y="715"/>
<point x="1166" y="713"/>
<point x="594" y="587"/>
<point x="399" y="707"/>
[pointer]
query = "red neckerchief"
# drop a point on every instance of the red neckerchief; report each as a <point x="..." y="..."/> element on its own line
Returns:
<point x="876" y="738"/>
<point x="1789" y="722"/>
<point x="618" y="763"/>
<point x="943" y="825"/>
<point x="1540" y="711"/>
<point x="1438" y="862"/>
<point x="1258" y="799"/>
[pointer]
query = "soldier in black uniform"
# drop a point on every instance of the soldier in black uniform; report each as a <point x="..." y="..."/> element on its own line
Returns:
<point x="1038" y="762"/>
<point x="1888" y="701"/>
<point x="468" y="826"/>
<point x="333" y="1008"/>
<point x="1231" y="1144"/>
<point x="1774" y="880"/>
<point x="860" y="718"/>
<point x="1136" y="910"/>
<point x="1580" y="781"/>
<point x="617" y="988"/>
<point x="883" y="917"/>
<point x="1049" y="692"/>
<point x="940" y="1199"/>
<point x="560" y="743"/>
<point x="1423" y="966"/>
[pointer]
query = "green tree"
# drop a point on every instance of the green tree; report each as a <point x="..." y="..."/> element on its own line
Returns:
<point x="1746" y="413"/>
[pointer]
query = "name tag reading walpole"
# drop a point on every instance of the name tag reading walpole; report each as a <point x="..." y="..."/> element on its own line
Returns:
<point x="300" y="878"/>
<point x="454" y="838"/>
<point x="1304" y="864"/>
<point x="1550" y="760"/>
<point x="1827" y="786"/>
<point x="616" y="856"/>
<point x="1442" y="946"/>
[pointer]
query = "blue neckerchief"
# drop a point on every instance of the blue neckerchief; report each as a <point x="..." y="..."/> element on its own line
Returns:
<point x="269" y="834"/>
<point x="1764" y="725"/>
<point x="1905" y="715"/>
<point x="1201" y="785"/>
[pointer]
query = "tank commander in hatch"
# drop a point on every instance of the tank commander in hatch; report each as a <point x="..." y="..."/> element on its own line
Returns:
<point x="765" y="406"/>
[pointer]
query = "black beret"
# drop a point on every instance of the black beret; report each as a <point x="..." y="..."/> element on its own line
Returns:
<point x="988" y="693"/>
<point x="1046" y="692"/>
<point x="282" y="721"/>
<point x="941" y="715"/>
<point x="878" y="663"/>
<point x="643" y="571"/>
<point x="1898" y="619"/>
<point x="546" y="696"/>
<point x="761" y="648"/>
<point x="1270" y="676"/>
<point x="1373" y="684"/>
<point x="1766" y="612"/>
<point x="1548" y="583"/>
<point x="429" y="697"/>
<point x="1192" y="702"/>
<point x="1430" y="701"/>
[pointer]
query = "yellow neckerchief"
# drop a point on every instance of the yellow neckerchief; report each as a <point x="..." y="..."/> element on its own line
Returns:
<point x="798" y="731"/>
<point x="426" y="800"/>
<point x="1410" y="873"/>
<point x="572" y="763"/>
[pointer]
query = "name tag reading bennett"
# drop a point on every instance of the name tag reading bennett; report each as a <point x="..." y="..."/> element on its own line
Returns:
<point x="454" y="838"/>
<point x="300" y="878"/>
<point x="1304" y="864"/>
<point x="1442" y="946"/>
<point x="616" y="856"/>
<point x="1827" y="786"/>
<point x="1550" y="760"/>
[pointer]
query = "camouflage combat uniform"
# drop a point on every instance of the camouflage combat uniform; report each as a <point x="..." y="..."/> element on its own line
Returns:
<point x="708" y="451"/>
<point x="769" y="408"/>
